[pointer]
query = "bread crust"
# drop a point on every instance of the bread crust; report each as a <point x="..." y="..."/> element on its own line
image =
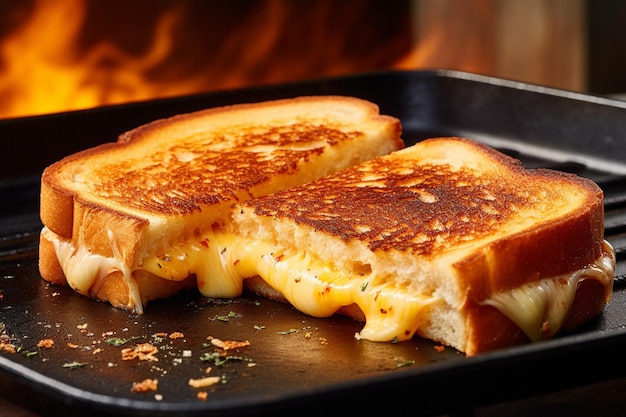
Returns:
<point x="488" y="329"/>
<point x="565" y="245"/>
<point x="49" y="265"/>
<point x="132" y="226"/>
<point x="560" y="234"/>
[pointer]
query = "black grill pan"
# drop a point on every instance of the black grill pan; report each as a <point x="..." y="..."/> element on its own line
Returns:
<point x="297" y="363"/>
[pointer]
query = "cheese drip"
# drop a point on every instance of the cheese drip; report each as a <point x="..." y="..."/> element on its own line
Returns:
<point x="85" y="271"/>
<point x="221" y="261"/>
<point x="315" y="288"/>
<point x="540" y="308"/>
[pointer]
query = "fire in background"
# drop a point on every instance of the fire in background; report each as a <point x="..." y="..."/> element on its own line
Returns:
<point x="60" y="55"/>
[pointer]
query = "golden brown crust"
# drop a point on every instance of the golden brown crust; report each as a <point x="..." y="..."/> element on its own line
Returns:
<point x="56" y="200"/>
<point x="107" y="233"/>
<point x="423" y="208"/>
<point x="489" y="230"/>
<point x="114" y="290"/>
<point x="162" y="182"/>
<point x="49" y="265"/>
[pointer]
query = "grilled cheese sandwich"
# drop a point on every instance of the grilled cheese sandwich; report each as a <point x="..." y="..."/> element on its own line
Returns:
<point x="314" y="202"/>
<point x="447" y="239"/>
<point x="130" y="221"/>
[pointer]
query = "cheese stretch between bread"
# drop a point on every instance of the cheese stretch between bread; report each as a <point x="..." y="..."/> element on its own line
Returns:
<point x="221" y="260"/>
<point x="316" y="202"/>
<point x="163" y="184"/>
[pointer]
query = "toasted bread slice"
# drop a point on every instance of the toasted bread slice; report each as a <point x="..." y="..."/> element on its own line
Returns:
<point x="447" y="239"/>
<point x="125" y="222"/>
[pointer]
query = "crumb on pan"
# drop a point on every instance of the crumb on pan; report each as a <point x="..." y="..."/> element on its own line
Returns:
<point x="6" y="345"/>
<point x="145" y="385"/>
<point x="142" y="351"/>
<point x="45" y="343"/>
<point x="204" y="382"/>
<point x="227" y="344"/>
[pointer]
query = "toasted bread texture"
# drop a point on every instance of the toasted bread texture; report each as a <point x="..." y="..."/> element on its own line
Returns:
<point x="448" y="239"/>
<point x="111" y="210"/>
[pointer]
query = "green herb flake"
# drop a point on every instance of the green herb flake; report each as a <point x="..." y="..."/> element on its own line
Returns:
<point x="118" y="341"/>
<point x="226" y="317"/>
<point x="74" y="365"/>
<point x="364" y="286"/>
<point x="219" y="359"/>
<point x="405" y="363"/>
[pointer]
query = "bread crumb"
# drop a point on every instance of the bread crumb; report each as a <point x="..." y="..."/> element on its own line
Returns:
<point x="143" y="351"/>
<point x="227" y="344"/>
<point x="6" y="345"/>
<point x="176" y="335"/>
<point x="145" y="385"/>
<point x="204" y="382"/>
<point x="45" y="343"/>
<point x="202" y="395"/>
<point x="440" y="348"/>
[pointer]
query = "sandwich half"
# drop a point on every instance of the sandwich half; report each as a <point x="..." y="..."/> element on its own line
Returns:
<point x="448" y="239"/>
<point x="131" y="221"/>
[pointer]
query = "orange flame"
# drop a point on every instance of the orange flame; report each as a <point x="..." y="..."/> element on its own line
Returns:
<point x="43" y="54"/>
<point x="49" y="63"/>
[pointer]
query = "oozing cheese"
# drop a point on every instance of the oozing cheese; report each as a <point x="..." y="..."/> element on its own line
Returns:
<point x="222" y="261"/>
<point x="317" y="289"/>
<point x="540" y="308"/>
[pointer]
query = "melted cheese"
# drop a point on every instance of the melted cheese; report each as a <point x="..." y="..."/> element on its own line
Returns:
<point x="540" y="308"/>
<point x="85" y="271"/>
<point x="222" y="261"/>
<point x="314" y="288"/>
